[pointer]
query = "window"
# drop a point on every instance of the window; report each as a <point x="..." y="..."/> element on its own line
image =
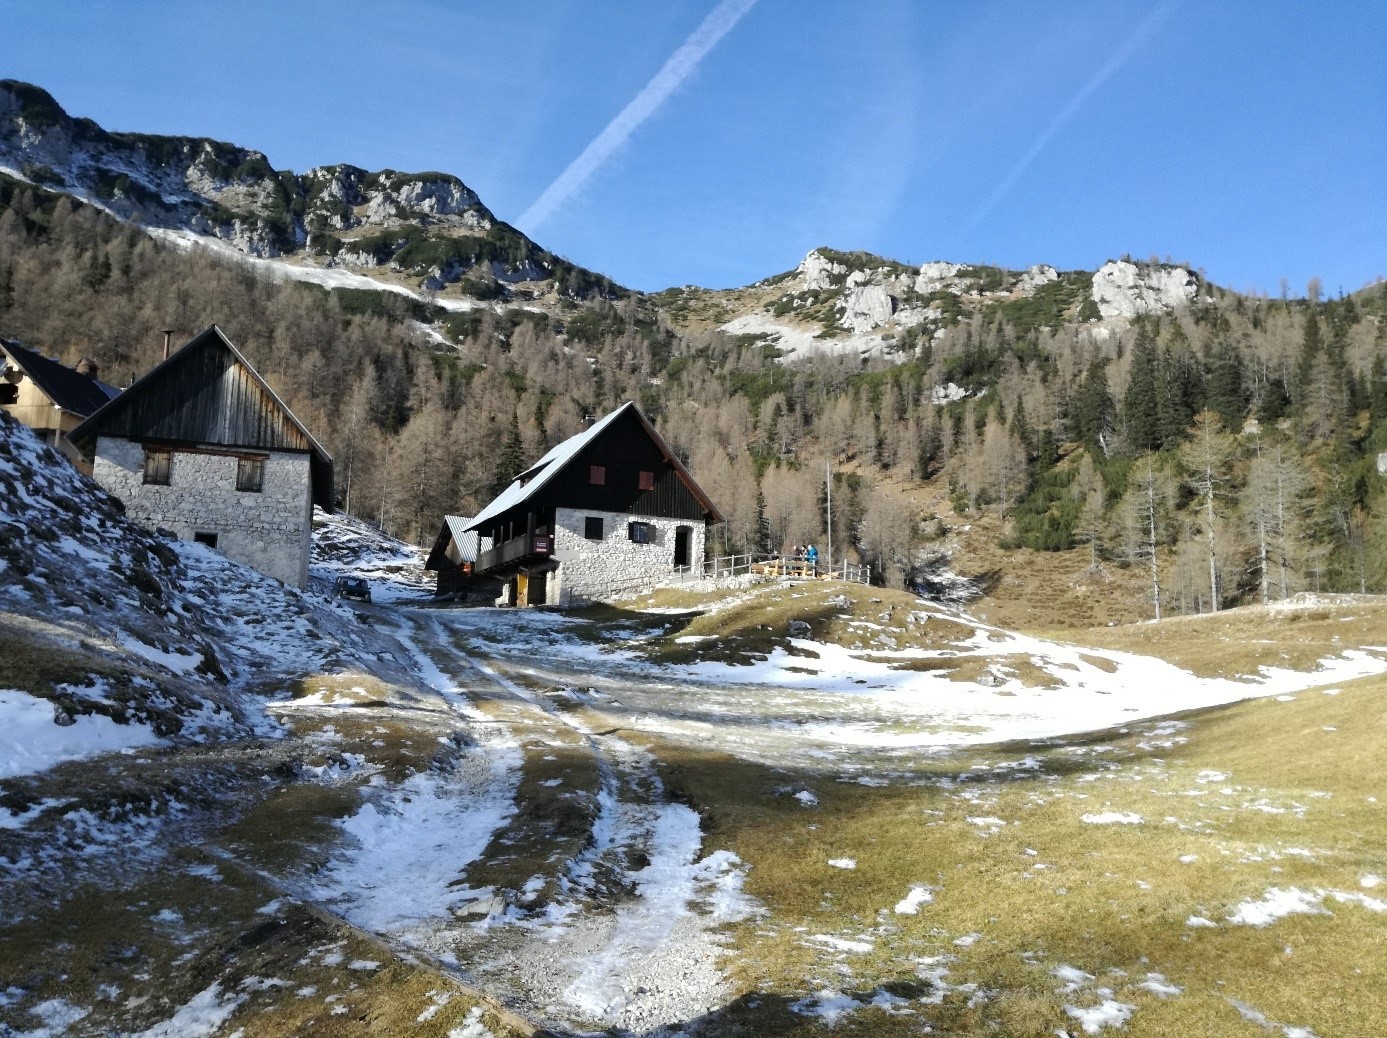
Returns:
<point x="158" y="467"/>
<point x="647" y="481"/>
<point x="592" y="527"/>
<point x="209" y="539"/>
<point x="641" y="533"/>
<point x="597" y="475"/>
<point x="250" y="475"/>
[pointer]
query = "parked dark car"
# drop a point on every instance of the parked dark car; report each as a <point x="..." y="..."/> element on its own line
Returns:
<point x="352" y="587"/>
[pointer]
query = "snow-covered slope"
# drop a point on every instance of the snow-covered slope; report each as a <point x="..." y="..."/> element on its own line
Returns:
<point x="105" y="619"/>
<point x="347" y="547"/>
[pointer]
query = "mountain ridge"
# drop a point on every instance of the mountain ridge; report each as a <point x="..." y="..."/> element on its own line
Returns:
<point x="427" y="230"/>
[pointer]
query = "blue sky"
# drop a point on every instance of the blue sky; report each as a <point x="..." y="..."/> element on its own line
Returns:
<point x="1245" y="138"/>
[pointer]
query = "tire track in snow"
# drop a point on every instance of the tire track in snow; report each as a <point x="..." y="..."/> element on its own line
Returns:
<point x="406" y="847"/>
<point x="652" y="960"/>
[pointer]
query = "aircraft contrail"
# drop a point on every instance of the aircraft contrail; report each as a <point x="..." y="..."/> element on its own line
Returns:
<point x="674" y="71"/>
<point x="1118" y="59"/>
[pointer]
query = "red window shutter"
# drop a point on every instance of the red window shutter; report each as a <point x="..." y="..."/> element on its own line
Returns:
<point x="647" y="481"/>
<point x="597" y="475"/>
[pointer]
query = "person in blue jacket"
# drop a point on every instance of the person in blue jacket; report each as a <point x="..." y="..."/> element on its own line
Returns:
<point x="811" y="556"/>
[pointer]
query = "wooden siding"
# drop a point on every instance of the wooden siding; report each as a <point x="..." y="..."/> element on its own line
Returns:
<point x="625" y="450"/>
<point x="206" y="396"/>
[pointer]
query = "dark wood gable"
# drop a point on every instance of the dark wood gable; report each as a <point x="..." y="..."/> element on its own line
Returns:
<point x="207" y="394"/>
<point x="623" y="450"/>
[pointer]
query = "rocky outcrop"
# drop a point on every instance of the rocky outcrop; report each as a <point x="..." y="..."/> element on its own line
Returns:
<point x="1033" y="277"/>
<point x="935" y="275"/>
<point x="1123" y="290"/>
<point x="819" y="272"/>
<point x="867" y="307"/>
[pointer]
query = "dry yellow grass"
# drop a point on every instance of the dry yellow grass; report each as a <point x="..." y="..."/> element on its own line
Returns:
<point x="1259" y="795"/>
<point x="1237" y="642"/>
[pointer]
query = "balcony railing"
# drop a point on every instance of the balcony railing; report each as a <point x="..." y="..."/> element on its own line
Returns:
<point x="517" y="548"/>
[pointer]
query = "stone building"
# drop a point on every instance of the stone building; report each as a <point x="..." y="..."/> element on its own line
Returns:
<point x="606" y="511"/>
<point x="49" y="397"/>
<point x="201" y="446"/>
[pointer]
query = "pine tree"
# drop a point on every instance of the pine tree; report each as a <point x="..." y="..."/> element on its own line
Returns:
<point x="510" y="459"/>
<point x="1092" y="410"/>
<point x="1224" y="386"/>
<point x="1141" y="403"/>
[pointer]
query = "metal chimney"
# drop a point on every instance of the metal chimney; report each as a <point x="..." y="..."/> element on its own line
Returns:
<point x="168" y="334"/>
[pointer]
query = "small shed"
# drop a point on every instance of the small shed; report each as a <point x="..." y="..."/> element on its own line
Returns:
<point x="454" y="554"/>
<point x="49" y="397"/>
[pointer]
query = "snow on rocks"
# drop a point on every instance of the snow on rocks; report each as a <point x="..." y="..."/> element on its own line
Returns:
<point x="1277" y="903"/>
<point x="1254" y="1016"/>
<point x="842" y="863"/>
<point x="842" y="944"/>
<point x="626" y="983"/>
<point x="347" y="547"/>
<point x="57" y="1015"/>
<point x="203" y="1015"/>
<point x="1156" y="984"/>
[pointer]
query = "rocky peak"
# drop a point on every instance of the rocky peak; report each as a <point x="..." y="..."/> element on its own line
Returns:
<point x="819" y="272"/>
<point x="1124" y="290"/>
<point x="429" y="226"/>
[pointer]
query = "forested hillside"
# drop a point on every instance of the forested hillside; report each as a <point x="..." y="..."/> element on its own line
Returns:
<point x="1233" y="440"/>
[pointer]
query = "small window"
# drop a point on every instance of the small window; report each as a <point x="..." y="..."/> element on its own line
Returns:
<point x="592" y="527"/>
<point x="158" y="467"/>
<point x="641" y="533"/>
<point x="647" y="481"/>
<point x="597" y="475"/>
<point x="250" y="475"/>
<point x="209" y="539"/>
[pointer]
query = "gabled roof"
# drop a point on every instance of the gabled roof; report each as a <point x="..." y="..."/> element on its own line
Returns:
<point x="208" y="393"/>
<point x="454" y="530"/>
<point x="73" y="392"/>
<point x="534" y="478"/>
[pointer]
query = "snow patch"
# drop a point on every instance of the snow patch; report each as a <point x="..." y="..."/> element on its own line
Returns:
<point x="1113" y="818"/>
<point x="910" y="904"/>
<point x="31" y="742"/>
